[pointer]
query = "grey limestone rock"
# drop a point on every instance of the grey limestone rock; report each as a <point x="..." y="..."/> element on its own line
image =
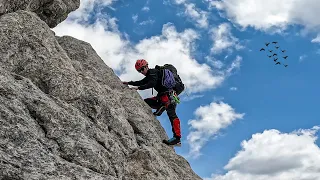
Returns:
<point x="64" y="114"/>
<point x="51" y="11"/>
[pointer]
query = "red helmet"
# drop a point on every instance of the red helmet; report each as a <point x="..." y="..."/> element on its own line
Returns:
<point x="140" y="63"/>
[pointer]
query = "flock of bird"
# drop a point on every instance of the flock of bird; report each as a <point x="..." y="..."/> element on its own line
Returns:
<point x="274" y="53"/>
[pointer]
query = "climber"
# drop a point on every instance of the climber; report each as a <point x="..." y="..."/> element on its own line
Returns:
<point x="164" y="98"/>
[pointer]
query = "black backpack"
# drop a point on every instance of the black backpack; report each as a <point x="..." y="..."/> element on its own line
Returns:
<point x="179" y="87"/>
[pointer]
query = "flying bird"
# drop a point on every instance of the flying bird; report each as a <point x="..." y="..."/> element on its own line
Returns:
<point x="278" y="63"/>
<point x="285" y="57"/>
<point x="275" y="59"/>
<point x="274" y="54"/>
<point x="267" y="44"/>
<point x="285" y="65"/>
<point x="269" y="56"/>
<point x="270" y="50"/>
<point x="283" y="51"/>
<point x="262" y="49"/>
<point x="277" y="47"/>
<point x="274" y="42"/>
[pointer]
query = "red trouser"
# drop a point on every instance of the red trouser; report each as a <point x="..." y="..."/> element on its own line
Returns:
<point x="157" y="102"/>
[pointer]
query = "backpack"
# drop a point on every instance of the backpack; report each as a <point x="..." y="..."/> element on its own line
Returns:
<point x="170" y="78"/>
<point x="167" y="79"/>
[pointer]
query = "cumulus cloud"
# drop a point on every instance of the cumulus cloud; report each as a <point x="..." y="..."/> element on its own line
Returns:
<point x="316" y="39"/>
<point x="196" y="14"/>
<point x="201" y="17"/>
<point x="120" y="54"/>
<point x="214" y="62"/>
<point x="271" y="15"/>
<point x="223" y="39"/>
<point x="209" y="120"/>
<point x="87" y="6"/>
<point x="273" y="155"/>
<point x="180" y="1"/>
<point x="146" y="9"/>
<point x="109" y="45"/>
<point x="170" y="47"/>
<point x="175" y="48"/>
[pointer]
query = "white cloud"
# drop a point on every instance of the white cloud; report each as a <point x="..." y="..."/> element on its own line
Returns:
<point x="209" y="121"/>
<point x="223" y="39"/>
<point x="271" y="15"/>
<point x="189" y="98"/>
<point x="201" y="17"/>
<point x="196" y="14"/>
<point x="120" y="54"/>
<point x="217" y="98"/>
<point x="87" y="6"/>
<point x="233" y="88"/>
<point x="111" y="23"/>
<point x="214" y="62"/>
<point x="316" y="40"/>
<point x="235" y="65"/>
<point x="273" y="155"/>
<point x="180" y="1"/>
<point x="106" y="43"/>
<point x="175" y="48"/>
<point x="109" y="45"/>
<point x="150" y="21"/>
<point x="302" y="58"/>
<point x="217" y="64"/>
<point x="135" y="18"/>
<point x="146" y="9"/>
<point x="170" y="47"/>
<point x="214" y="3"/>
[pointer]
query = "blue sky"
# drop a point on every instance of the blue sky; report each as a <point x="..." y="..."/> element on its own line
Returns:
<point x="242" y="116"/>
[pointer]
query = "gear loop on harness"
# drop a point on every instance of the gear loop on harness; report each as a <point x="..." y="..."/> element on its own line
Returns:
<point x="172" y="96"/>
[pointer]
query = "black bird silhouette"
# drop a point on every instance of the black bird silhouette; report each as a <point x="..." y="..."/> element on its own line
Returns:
<point x="262" y="49"/>
<point x="270" y="50"/>
<point x="274" y="54"/>
<point x="285" y="57"/>
<point x="275" y="59"/>
<point x="269" y="56"/>
<point x="274" y="42"/>
<point x="285" y="65"/>
<point x="278" y="63"/>
<point x="283" y="51"/>
<point x="277" y="47"/>
<point x="267" y="44"/>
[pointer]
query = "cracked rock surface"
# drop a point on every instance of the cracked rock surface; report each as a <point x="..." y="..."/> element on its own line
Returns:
<point x="64" y="114"/>
<point x="51" y="11"/>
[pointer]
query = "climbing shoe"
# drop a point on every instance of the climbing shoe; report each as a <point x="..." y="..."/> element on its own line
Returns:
<point x="173" y="142"/>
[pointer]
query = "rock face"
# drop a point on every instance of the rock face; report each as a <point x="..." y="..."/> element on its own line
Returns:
<point x="64" y="114"/>
<point x="51" y="11"/>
